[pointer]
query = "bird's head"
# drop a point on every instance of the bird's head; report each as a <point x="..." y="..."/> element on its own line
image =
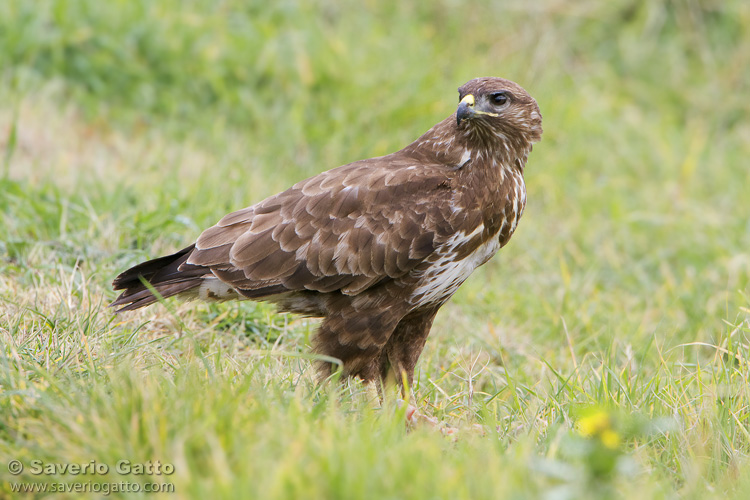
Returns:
<point x="494" y="112"/>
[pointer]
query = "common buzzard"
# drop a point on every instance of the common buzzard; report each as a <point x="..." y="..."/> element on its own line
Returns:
<point x="374" y="247"/>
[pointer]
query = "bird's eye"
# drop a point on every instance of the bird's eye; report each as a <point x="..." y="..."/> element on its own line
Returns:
<point x="499" y="98"/>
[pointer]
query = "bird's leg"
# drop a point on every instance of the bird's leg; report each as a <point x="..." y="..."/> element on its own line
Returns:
<point x="400" y="356"/>
<point x="404" y="347"/>
<point x="374" y="395"/>
<point x="357" y="338"/>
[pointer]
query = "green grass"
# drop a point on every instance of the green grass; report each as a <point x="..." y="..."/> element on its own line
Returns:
<point x="126" y="127"/>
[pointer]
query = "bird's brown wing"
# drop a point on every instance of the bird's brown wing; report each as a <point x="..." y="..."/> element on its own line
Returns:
<point x="346" y="229"/>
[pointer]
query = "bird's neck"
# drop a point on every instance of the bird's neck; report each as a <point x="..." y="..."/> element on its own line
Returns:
<point x="460" y="146"/>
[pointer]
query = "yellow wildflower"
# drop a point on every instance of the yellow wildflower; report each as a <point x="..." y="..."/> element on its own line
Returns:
<point x="594" y="424"/>
<point x="610" y="439"/>
<point x="599" y="425"/>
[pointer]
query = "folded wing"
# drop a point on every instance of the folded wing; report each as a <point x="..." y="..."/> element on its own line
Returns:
<point x="344" y="230"/>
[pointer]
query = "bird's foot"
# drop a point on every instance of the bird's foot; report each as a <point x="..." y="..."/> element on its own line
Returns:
<point x="416" y="418"/>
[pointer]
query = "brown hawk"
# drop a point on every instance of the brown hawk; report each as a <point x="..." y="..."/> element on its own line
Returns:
<point x="374" y="247"/>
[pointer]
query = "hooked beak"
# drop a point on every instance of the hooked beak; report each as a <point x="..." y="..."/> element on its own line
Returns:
<point x="465" y="109"/>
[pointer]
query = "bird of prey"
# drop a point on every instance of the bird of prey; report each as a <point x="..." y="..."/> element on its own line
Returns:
<point x="374" y="247"/>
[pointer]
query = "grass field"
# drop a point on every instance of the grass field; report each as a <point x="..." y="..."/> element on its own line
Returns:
<point x="604" y="353"/>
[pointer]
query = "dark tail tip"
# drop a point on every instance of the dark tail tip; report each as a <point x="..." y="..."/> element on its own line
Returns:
<point x="169" y="275"/>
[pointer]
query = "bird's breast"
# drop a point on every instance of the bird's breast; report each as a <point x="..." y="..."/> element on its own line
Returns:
<point x="451" y="266"/>
<point x="511" y="206"/>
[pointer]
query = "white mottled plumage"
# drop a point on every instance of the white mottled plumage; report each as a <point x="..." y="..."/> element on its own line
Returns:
<point x="447" y="274"/>
<point x="465" y="158"/>
<point x="215" y="289"/>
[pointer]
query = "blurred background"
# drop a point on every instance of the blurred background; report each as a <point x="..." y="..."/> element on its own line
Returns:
<point x="127" y="126"/>
<point x="161" y="116"/>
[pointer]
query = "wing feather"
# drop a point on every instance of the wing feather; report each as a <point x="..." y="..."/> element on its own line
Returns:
<point x="347" y="229"/>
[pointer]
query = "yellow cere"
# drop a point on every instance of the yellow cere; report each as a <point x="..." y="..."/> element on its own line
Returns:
<point x="468" y="99"/>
